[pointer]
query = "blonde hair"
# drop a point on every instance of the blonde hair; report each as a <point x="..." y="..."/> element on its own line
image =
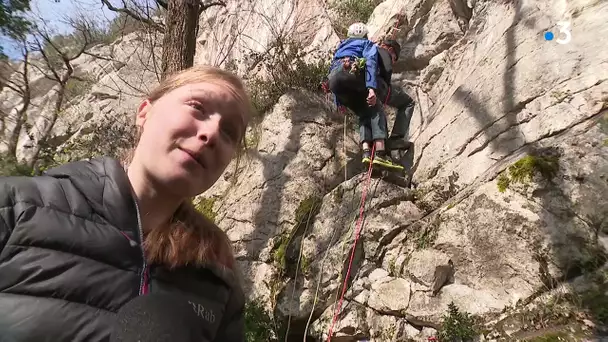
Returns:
<point x="191" y="238"/>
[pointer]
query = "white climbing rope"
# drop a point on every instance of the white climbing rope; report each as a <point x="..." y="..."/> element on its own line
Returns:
<point x="293" y="292"/>
<point x="320" y="277"/>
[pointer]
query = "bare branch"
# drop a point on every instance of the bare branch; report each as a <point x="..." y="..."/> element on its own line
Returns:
<point x="43" y="72"/>
<point x="21" y="114"/>
<point x="99" y="56"/>
<point x="159" y="27"/>
<point x="46" y="57"/>
<point x="204" y="7"/>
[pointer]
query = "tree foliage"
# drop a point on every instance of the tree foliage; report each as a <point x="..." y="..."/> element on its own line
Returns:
<point x="12" y="19"/>
<point x="13" y="23"/>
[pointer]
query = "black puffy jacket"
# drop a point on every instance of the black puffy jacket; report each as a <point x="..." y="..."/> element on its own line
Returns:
<point x="70" y="257"/>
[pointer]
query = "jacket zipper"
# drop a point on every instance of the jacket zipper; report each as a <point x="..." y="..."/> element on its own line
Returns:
<point x="143" y="279"/>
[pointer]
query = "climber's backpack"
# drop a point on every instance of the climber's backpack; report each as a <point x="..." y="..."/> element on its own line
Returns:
<point x="347" y="81"/>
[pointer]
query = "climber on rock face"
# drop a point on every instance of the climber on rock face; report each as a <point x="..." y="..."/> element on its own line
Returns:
<point x="394" y="96"/>
<point x="353" y="81"/>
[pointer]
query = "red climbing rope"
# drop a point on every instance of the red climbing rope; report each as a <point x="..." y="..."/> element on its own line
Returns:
<point x="359" y="225"/>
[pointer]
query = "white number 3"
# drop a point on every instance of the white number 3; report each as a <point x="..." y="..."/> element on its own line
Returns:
<point x="564" y="27"/>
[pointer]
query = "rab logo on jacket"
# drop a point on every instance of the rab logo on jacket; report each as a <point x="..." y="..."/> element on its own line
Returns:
<point x="203" y="312"/>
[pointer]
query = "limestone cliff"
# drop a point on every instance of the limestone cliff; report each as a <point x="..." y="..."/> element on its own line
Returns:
<point x="509" y="170"/>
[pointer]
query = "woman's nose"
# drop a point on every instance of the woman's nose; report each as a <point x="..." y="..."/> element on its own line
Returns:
<point x="209" y="130"/>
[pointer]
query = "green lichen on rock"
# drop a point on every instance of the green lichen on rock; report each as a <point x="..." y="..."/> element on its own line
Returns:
<point x="307" y="210"/>
<point x="524" y="170"/>
<point x="205" y="206"/>
<point x="284" y="255"/>
<point x="305" y="264"/>
<point x="280" y="249"/>
<point x="503" y="182"/>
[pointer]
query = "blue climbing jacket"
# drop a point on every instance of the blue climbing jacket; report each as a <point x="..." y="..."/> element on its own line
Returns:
<point x="359" y="47"/>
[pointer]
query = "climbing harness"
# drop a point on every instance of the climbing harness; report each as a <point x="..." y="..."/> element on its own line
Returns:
<point x="353" y="64"/>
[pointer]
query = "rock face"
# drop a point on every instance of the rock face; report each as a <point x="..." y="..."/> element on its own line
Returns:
<point x="510" y="146"/>
<point x="490" y="91"/>
<point x="245" y="32"/>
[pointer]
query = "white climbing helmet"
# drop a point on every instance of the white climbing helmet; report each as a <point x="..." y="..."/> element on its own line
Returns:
<point x="357" y="30"/>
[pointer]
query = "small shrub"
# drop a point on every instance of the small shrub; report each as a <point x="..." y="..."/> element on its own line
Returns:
<point x="10" y="166"/>
<point x="457" y="326"/>
<point x="286" y="70"/>
<point x="77" y="87"/>
<point x="596" y="302"/>
<point x="258" y="323"/>
<point x="427" y="236"/>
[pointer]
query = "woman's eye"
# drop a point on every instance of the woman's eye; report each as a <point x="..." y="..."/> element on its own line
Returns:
<point x="196" y="106"/>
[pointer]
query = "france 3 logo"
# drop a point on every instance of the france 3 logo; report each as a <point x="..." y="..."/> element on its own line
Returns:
<point x="563" y="36"/>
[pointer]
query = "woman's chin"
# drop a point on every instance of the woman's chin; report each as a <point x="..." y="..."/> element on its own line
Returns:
<point x="184" y="186"/>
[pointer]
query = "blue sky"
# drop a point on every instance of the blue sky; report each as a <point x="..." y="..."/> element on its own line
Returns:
<point x="53" y="15"/>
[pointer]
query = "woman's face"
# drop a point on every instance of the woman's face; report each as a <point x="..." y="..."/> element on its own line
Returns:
<point x="189" y="136"/>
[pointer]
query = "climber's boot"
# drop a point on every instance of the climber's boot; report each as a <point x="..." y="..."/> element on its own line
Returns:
<point x="382" y="160"/>
<point x="367" y="157"/>
<point x="397" y="143"/>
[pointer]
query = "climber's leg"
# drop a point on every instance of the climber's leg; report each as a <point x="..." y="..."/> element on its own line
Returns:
<point x="365" y="137"/>
<point x="378" y="128"/>
<point x="405" y="109"/>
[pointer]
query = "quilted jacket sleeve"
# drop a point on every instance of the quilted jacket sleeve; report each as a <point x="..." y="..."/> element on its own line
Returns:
<point x="6" y="210"/>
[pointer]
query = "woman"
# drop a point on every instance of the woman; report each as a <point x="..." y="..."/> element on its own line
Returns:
<point x="79" y="242"/>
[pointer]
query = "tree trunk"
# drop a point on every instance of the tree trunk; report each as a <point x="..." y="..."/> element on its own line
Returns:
<point x="180" y="36"/>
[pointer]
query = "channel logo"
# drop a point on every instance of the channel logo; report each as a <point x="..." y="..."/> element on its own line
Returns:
<point x="563" y="36"/>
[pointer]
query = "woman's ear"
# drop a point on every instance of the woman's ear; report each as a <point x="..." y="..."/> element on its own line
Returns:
<point x="142" y="112"/>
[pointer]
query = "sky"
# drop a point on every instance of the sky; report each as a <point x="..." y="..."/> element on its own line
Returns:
<point x="53" y="13"/>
